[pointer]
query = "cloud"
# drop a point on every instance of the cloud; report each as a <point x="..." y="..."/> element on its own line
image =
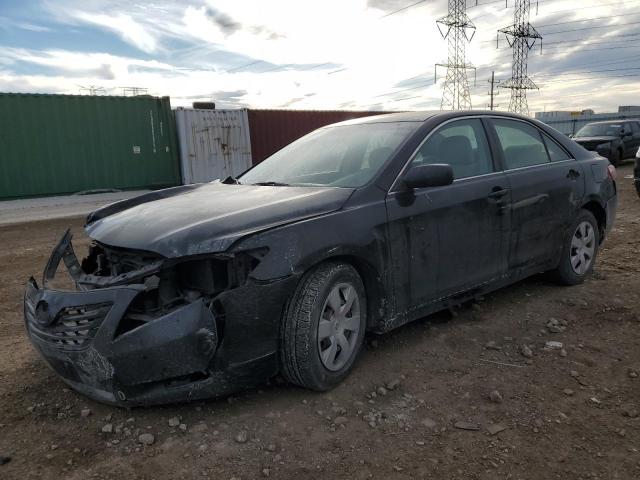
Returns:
<point x="26" y="84"/>
<point x="125" y="26"/>
<point x="7" y="23"/>
<point x="32" y="27"/>
<point x="104" y="72"/>
<point x="265" y="54"/>
<point x="95" y="66"/>
<point x="223" y="21"/>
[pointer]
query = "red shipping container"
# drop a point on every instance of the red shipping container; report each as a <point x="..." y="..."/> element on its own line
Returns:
<point x="270" y="130"/>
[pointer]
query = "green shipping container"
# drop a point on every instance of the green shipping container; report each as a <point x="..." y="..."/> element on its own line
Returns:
<point x="61" y="144"/>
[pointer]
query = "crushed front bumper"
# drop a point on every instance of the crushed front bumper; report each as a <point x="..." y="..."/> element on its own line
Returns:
<point x="76" y="333"/>
<point x="184" y="354"/>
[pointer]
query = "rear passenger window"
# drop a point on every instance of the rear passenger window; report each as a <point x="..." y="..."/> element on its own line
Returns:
<point x="462" y="144"/>
<point x="521" y="144"/>
<point x="556" y="152"/>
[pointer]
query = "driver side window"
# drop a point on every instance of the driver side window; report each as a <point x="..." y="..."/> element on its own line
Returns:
<point x="462" y="144"/>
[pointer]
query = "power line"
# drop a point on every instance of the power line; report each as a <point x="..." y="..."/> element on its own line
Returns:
<point x="430" y="82"/>
<point x="243" y="66"/>
<point x="600" y="64"/>
<point x="564" y="74"/>
<point x="555" y="45"/>
<point x="588" y="20"/>
<point x="612" y="25"/>
<point x="589" y="78"/>
<point x="554" y="51"/>
<point x="565" y="10"/>
<point x="404" y="8"/>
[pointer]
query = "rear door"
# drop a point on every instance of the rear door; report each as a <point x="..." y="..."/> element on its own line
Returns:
<point x="547" y="185"/>
<point x="451" y="238"/>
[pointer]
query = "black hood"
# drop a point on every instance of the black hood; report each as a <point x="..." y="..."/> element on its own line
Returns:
<point x="206" y="218"/>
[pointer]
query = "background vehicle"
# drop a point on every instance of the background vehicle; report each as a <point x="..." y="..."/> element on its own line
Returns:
<point x="360" y="226"/>
<point x="615" y="140"/>
<point x="636" y="172"/>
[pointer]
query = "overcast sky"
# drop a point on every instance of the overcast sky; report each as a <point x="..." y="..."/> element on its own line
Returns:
<point x="329" y="54"/>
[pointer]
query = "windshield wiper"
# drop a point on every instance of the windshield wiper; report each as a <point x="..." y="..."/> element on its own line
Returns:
<point x="230" y="180"/>
<point x="272" y="184"/>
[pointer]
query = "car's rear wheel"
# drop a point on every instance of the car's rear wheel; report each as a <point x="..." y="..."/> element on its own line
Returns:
<point x="323" y="327"/>
<point x="580" y="250"/>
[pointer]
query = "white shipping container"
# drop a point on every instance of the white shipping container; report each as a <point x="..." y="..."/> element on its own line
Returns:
<point x="213" y="144"/>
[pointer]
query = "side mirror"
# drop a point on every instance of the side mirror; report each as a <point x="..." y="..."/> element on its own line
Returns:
<point x="434" y="175"/>
<point x="571" y="135"/>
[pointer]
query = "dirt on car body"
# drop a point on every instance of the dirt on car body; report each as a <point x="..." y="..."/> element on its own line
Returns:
<point x="533" y="381"/>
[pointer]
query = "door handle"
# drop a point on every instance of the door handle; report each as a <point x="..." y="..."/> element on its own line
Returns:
<point x="573" y="174"/>
<point x="498" y="192"/>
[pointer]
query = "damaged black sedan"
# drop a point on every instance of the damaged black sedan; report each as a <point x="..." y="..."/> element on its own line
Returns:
<point x="201" y="290"/>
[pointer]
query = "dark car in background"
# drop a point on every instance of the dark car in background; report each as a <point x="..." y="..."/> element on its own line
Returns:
<point x="636" y="172"/>
<point x="362" y="226"/>
<point x="616" y="139"/>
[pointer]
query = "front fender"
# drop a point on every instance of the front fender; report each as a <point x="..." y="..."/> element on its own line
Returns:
<point x="357" y="236"/>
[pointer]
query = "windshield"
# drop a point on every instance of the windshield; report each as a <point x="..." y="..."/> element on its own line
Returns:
<point x="340" y="156"/>
<point x="600" y="130"/>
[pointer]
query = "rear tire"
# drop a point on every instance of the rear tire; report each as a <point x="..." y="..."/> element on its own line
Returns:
<point x="323" y="327"/>
<point x="579" y="251"/>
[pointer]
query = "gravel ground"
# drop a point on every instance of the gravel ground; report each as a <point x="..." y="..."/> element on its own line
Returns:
<point x="476" y="395"/>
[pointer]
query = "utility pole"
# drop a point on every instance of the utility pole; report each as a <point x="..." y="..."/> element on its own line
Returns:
<point x="521" y="37"/>
<point x="92" y="90"/>
<point x="133" y="91"/>
<point x="459" y="30"/>
<point x="493" y="82"/>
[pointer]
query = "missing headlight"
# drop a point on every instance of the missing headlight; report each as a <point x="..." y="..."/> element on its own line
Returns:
<point x="188" y="281"/>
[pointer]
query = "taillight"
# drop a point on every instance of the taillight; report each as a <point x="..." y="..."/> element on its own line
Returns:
<point x="611" y="171"/>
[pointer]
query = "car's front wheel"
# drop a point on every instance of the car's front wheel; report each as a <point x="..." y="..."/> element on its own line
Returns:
<point x="616" y="158"/>
<point x="580" y="250"/>
<point x="323" y="327"/>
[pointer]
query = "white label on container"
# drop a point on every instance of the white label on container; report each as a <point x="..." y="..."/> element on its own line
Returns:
<point x="136" y="149"/>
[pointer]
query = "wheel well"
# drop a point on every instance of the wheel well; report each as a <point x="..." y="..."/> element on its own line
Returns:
<point x="377" y="301"/>
<point x="601" y="216"/>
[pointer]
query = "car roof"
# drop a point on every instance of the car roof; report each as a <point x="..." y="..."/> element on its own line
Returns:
<point x="422" y="116"/>
<point x="391" y="117"/>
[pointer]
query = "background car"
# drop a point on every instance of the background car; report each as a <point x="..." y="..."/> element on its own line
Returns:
<point x="636" y="172"/>
<point x="615" y="140"/>
<point x="362" y="226"/>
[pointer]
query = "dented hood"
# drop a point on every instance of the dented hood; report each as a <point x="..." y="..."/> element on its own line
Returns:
<point x="206" y="218"/>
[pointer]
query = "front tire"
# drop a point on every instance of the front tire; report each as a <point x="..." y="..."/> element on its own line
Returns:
<point x="323" y="327"/>
<point x="579" y="251"/>
<point x="616" y="160"/>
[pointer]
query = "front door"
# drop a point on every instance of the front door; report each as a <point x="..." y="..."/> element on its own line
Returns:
<point x="451" y="238"/>
<point x="634" y="139"/>
<point x="546" y="188"/>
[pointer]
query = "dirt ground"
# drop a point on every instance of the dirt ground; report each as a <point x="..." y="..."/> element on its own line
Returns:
<point x="567" y="413"/>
